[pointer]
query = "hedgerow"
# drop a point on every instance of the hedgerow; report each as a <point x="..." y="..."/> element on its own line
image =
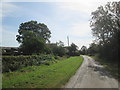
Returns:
<point x="12" y="63"/>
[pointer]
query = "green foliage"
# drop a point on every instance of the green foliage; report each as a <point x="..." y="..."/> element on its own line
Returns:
<point x="83" y="50"/>
<point x="12" y="63"/>
<point x="39" y="29"/>
<point x="58" y="51"/>
<point x="93" y="49"/>
<point x="53" y="76"/>
<point x="73" y="50"/>
<point x="32" y="37"/>
<point x="105" y="25"/>
<point x="47" y="50"/>
<point x="110" y="66"/>
<point x="33" y="44"/>
<point x="57" y="57"/>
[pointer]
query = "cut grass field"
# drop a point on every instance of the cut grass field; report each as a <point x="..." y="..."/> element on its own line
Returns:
<point x="52" y="76"/>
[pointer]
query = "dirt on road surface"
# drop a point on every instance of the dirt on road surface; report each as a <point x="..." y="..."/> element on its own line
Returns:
<point x="92" y="75"/>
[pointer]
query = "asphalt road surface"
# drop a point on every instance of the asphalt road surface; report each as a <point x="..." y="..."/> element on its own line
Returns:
<point x="91" y="75"/>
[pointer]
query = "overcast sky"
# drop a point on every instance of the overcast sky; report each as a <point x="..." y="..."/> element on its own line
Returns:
<point x="63" y="18"/>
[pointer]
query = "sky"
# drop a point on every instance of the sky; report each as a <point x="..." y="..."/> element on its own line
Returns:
<point x="62" y="17"/>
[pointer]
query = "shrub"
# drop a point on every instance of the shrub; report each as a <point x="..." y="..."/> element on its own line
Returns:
<point x="58" y="51"/>
<point x="57" y="57"/>
<point x="12" y="63"/>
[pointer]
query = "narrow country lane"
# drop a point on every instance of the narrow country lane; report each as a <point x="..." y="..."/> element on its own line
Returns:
<point x="91" y="75"/>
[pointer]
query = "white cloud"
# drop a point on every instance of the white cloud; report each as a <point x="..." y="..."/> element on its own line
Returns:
<point x="85" y="7"/>
<point x="76" y="6"/>
<point x="52" y="0"/>
<point x="81" y="39"/>
<point x="81" y="29"/>
<point x="80" y="34"/>
<point x="7" y="9"/>
<point x="8" y="38"/>
<point x="80" y="42"/>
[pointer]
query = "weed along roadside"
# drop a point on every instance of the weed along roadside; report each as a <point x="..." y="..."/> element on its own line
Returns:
<point x="110" y="66"/>
<point x="44" y="76"/>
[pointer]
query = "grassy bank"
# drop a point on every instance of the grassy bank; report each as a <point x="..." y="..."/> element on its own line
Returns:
<point x="112" y="67"/>
<point x="44" y="76"/>
<point x="13" y="63"/>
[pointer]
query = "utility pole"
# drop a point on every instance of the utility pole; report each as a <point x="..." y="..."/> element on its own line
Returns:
<point x="68" y="40"/>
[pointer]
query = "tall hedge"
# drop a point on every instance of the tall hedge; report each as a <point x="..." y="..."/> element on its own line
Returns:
<point x="12" y="63"/>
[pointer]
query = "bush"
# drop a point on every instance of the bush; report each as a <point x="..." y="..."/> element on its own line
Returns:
<point x="57" y="57"/>
<point x="58" y="51"/>
<point x="12" y="63"/>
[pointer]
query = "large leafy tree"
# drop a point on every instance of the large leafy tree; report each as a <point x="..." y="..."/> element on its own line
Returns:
<point x="33" y="36"/>
<point x="105" y="21"/>
<point x="105" y="25"/>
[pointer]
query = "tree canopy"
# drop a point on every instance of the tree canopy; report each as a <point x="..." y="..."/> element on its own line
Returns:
<point x="105" y="24"/>
<point x="33" y="36"/>
<point x="83" y="50"/>
<point x="39" y="29"/>
<point x="93" y="49"/>
<point x="73" y="50"/>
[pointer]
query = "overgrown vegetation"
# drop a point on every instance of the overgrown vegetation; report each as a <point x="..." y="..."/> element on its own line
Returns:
<point x="105" y="25"/>
<point x="73" y="50"/>
<point x="44" y="76"/>
<point x="12" y="63"/>
<point x="110" y="66"/>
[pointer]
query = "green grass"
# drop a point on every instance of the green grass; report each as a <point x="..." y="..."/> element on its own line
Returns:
<point x="44" y="76"/>
<point x="112" y="67"/>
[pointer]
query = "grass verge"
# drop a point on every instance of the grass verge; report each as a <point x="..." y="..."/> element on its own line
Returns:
<point x="44" y="76"/>
<point x="112" y="67"/>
